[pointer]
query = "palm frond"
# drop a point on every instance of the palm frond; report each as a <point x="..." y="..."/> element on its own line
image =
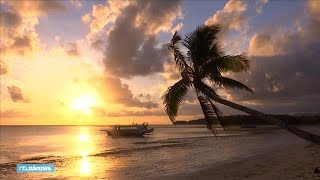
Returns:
<point x="215" y="51"/>
<point x="209" y="113"/>
<point x="204" y="89"/>
<point x="173" y="98"/>
<point x="176" y="38"/>
<point x="226" y="63"/>
<point x="218" y="113"/>
<point x="229" y="83"/>
<point x="179" y="58"/>
<point x="200" y="42"/>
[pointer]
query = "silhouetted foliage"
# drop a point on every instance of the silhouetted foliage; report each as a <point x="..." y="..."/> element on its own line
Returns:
<point x="203" y="61"/>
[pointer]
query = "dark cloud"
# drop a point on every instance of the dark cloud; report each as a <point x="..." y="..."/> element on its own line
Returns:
<point x="18" y="21"/>
<point x="132" y="45"/>
<point x="148" y="112"/>
<point x="22" y="42"/>
<point x="16" y="94"/>
<point x="3" y="67"/>
<point x="15" y="36"/>
<point x="98" y="44"/>
<point x="286" y="81"/>
<point x="72" y="49"/>
<point x="10" y="19"/>
<point x="186" y="109"/>
<point x="114" y="91"/>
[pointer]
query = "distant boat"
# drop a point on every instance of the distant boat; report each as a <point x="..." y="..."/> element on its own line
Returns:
<point x="129" y="130"/>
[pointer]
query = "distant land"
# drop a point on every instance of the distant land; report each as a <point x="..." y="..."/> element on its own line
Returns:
<point x="250" y="120"/>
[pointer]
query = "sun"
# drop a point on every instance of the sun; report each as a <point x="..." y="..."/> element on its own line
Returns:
<point x="83" y="103"/>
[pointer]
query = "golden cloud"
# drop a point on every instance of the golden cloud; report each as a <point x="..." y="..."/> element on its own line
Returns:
<point x="263" y="45"/>
<point x="231" y="17"/>
<point x="3" y="67"/>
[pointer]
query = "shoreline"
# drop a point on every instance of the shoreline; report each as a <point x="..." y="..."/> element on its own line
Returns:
<point x="296" y="161"/>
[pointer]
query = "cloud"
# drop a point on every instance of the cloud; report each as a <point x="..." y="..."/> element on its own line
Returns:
<point x="77" y="3"/>
<point x="112" y="90"/>
<point x="10" y="19"/>
<point x="129" y="33"/>
<point x="128" y="112"/>
<point x="3" y="67"/>
<point x="98" y="45"/>
<point x="18" y="33"/>
<point x="314" y="9"/>
<point x="37" y="8"/>
<point x="285" y="67"/>
<point x="140" y="54"/>
<point x="72" y="49"/>
<point x="103" y="15"/>
<point x="12" y="114"/>
<point x="18" y="21"/>
<point x="86" y="18"/>
<point x="176" y="28"/>
<point x="16" y="94"/>
<point x="231" y="17"/>
<point x="263" y="45"/>
<point x="260" y="4"/>
<point x="170" y="72"/>
<point x="314" y="19"/>
<point x="186" y="109"/>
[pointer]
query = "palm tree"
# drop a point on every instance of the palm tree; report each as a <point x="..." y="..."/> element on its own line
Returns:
<point x="204" y="61"/>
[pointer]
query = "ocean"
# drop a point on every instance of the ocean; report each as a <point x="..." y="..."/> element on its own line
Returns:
<point x="86" y="152"/>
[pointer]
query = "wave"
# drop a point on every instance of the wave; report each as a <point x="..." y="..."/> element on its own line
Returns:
<point x="120" y="151"/>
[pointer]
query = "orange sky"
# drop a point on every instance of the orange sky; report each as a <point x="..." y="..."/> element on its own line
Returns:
<point x="103" y="62"/>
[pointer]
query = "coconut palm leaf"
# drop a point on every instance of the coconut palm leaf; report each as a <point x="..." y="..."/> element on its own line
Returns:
<point x="209" y="113"/>
<point x="236" y="63"/>
<point x="226" y="63"/>
<point x="206" y="60"/>
<point x="173" y="97"/>
<point x="229" y="83"/>
<point x="218" y="113"/>
<point x="179" y="58"/>
<point x="201" y="44"/>
<point x="208" y="92"/>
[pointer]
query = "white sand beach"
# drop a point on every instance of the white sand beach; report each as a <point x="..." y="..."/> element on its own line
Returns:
<point x="292" y="162"/>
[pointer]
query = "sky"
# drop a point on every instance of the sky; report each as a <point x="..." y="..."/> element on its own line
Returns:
<point x="78" y="62"/>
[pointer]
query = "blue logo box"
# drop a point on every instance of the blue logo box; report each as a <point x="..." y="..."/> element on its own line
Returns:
<point x="35" y="168"/>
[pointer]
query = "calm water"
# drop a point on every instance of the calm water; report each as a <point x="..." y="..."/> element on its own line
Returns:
<point x="86" y="152"/>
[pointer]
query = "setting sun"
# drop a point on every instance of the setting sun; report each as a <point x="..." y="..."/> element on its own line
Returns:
<point x="84" y="104"/>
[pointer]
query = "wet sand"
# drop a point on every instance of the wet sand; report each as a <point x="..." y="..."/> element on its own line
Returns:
<point x="292" y="162"/>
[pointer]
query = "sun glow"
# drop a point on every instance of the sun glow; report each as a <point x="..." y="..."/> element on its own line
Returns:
<point x="83" y="138"/>
<point x="84" y="104"/>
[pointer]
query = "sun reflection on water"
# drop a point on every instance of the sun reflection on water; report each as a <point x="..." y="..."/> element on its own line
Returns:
<point x="85" y="166"/>
<point x="85" y="143"/>
<point x="84" y="146"/>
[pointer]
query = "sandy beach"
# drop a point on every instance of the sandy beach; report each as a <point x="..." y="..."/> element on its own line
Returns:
<point x="291" y="162"/>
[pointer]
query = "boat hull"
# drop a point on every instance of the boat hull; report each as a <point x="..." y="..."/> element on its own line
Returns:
<point x="129" y="132"/>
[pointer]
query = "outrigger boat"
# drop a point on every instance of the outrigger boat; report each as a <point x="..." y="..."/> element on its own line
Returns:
<point x="129" y="130"/>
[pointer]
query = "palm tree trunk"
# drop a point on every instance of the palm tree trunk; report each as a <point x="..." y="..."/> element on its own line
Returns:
<point x="296" y="131"/>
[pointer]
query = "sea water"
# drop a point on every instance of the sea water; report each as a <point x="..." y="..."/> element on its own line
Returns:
<point x="86" y="152"/>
